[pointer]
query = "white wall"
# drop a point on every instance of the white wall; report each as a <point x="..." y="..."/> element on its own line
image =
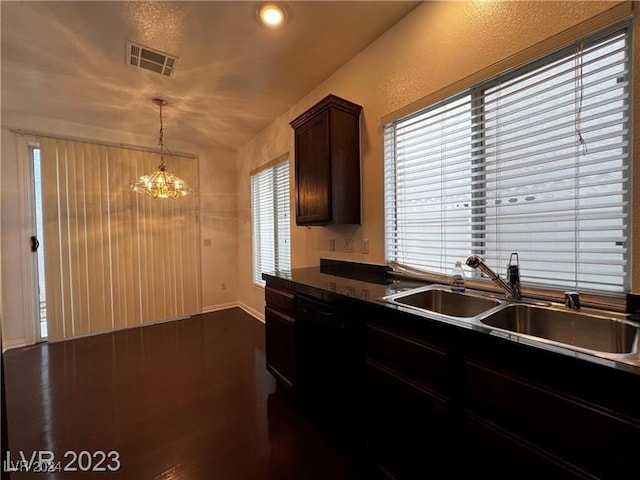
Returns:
<point x="435" y="45"/>
<point x="218" y="213"/>
<point x="217" y="217"/>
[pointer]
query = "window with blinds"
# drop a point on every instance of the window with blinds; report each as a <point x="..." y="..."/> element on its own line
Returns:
<point x="535" y="161"/>
<point x="270" y="209"/>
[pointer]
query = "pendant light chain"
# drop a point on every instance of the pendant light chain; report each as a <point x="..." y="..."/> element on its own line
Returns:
<point x="161" y="142"/>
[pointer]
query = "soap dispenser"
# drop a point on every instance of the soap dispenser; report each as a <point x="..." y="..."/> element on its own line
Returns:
<point x="457" y="278"/>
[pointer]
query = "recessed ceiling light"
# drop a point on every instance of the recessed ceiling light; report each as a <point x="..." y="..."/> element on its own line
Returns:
<point x="272" y="15"/>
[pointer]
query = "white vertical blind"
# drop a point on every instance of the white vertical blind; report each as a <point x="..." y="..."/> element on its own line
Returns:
<point x="114" y="258"/>
<point x="271" y="220"/>
<point x="535" y="162"/>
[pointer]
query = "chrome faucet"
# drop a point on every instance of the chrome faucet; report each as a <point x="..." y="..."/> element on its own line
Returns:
<point x="512" y="288"/>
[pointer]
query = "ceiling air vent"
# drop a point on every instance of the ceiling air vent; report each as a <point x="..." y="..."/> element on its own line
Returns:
<point x="149" y="59"/>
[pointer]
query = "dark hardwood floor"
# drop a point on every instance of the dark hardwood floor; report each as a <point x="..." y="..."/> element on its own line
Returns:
<point x="184" y="400"/>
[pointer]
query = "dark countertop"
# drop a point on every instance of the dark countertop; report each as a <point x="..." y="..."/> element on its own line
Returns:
<point x="335" y="283"/>
<point x="316" y="283"/>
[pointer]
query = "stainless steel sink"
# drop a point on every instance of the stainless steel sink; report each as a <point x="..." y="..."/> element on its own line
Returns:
<point x="571" y="328"/>
<point x="600" y="333"/>
<point x="440" y="300"/>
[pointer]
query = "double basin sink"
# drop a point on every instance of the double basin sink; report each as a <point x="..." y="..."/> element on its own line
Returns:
<point x="607" y="334"/>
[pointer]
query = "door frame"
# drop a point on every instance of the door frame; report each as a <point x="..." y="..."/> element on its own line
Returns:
<point x="30" y="302"/>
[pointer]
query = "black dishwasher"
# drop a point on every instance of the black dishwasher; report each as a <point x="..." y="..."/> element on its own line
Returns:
<point x="330" y="372"/>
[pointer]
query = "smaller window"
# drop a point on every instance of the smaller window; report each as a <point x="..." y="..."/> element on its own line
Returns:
<point x="270" y="210"/>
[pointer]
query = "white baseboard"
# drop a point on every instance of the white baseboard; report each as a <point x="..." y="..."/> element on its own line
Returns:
<point x="21" y="342"/>
<point x="251" y="311"/>
<point x="220" y="306"/>
<point x="9" y="344"/>
<point x="115" y="330"/>
<point x="224" y="306"/>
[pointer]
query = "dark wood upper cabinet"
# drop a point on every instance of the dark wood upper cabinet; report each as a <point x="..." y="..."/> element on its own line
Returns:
<point x="327" y="163"/>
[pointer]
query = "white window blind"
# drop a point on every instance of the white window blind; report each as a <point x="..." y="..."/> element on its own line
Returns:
<point x="271" y="220"/>
<point x="535" y="161"/>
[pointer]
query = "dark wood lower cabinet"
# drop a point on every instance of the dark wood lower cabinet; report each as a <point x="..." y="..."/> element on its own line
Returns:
<point x="430" y="400"/>
<point x="330" y="373"/>
<point x="461" y="404"/>
<point x="493" y="452"/>
<point x="586" y="436"/>
<point x="407" y="428"/>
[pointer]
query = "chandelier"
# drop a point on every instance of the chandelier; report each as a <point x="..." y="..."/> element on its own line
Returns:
<point x="161" y="183"/>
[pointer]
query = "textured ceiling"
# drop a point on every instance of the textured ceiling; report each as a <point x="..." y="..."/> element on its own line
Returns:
<point x="66" y="61"/>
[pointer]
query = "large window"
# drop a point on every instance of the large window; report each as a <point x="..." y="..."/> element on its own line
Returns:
<point x="535" y="161"/>
<point x="270" y="209"/>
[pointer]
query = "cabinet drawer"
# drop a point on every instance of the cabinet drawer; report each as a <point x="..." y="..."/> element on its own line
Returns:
<point x="408" y="428"/>
<point x="421" y="362"/>
<point x="484" y="442"/>
<point x="588" y="435"/>
<point x="280" y="299"/>
<point x="280" y="346"/>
